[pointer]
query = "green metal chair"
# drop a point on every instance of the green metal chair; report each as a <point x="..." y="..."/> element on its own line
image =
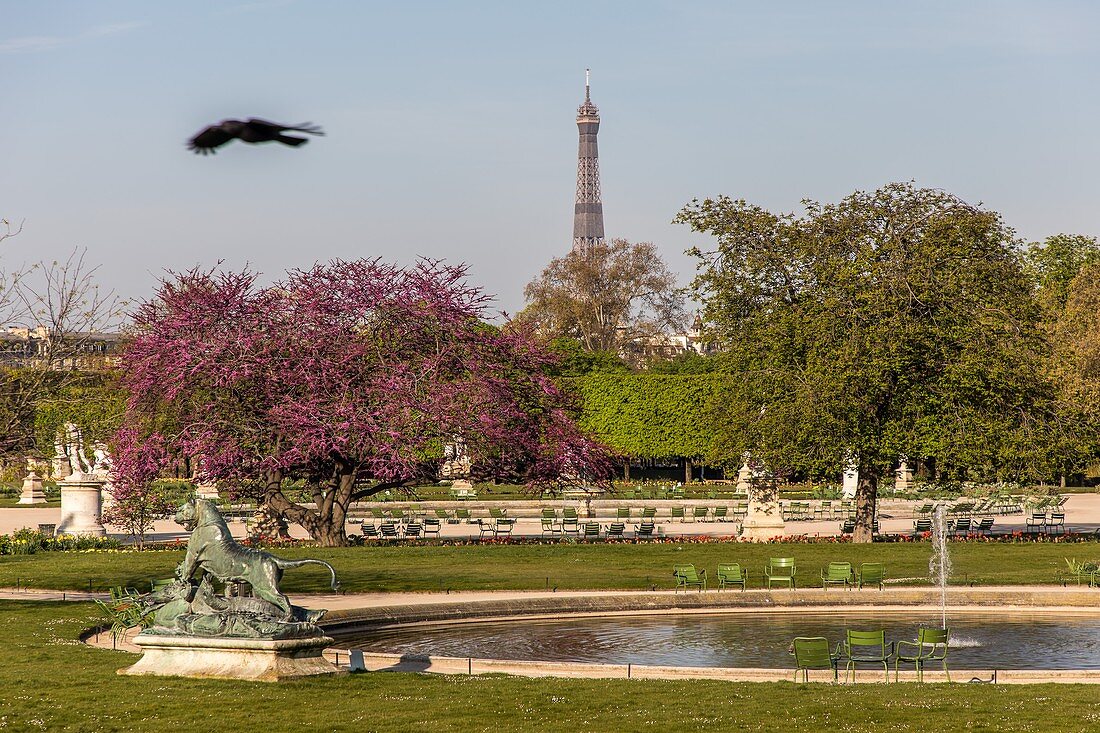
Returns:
<point x="837" y="573"/>
<point x="623" y="513"/>
<point x="550" y="527"/>
<point x="122" y="593"/>
<point x="866" y="647"/>
<point x="780" y="570"/>
<point x="678" y="513"/>
<point x="503" y="527"/>
<point x="431" y="527"/>
<point x="813" y="652"/>
<point x="156" y="584"/>
<point x="1082" y="571"/>
<point x="731" y="574"/>
<point x="687" y="577"/>
<point x="871" y="573"/>
<point x="930" y="646"/>
<point x="616" y="530"/>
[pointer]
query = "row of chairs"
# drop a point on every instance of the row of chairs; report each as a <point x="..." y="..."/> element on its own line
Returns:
<point x="649" y="514"/>
<point x="871" y="647"/>
<point x="395" y="530"/>
<point x="958" y="527"/>
<point x="848" y="526"/>
<point x="794" y="511"/>
<point x="997" y="505"/>
<point x="782" y="571"/>
<point x="679" y="493"/>
<point x="594" y="530"/>
<point x="1041" y="522"/>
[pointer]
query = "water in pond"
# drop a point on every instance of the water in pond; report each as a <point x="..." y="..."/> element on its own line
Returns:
<point x="979" y="641"/>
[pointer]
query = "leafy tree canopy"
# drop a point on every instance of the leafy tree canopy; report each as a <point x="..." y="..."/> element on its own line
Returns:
<point x="1055" y="262"/>
<point x="574" y="360"/>
<point x="349" y="376"/>
<point x="607" y="298"/>
<point x="895" y="322"/>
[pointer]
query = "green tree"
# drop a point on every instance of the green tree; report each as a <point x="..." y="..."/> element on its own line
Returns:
<point x="574" y="360"/>
<point x="1055" y="262"/>
<point x="895" y="322"/>
<point x="1075" y="368"/>
<point x="611" y="298"/>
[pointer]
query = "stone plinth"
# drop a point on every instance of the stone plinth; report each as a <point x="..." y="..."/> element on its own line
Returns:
<point x="851" y="482"/>
<point x="903" y="478"/>
<point x="82" y="506"/>
<point x="763" y="522"/>
<point x="262" y="660"/>
<point x="207" y="491"/>
<point x="32" y="490"/>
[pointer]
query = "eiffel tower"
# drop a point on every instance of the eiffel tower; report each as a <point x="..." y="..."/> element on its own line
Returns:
<point x="588" y="210"/>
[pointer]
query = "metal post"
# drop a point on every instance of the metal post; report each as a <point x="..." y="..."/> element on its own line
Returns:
<point x="469" y="665"/>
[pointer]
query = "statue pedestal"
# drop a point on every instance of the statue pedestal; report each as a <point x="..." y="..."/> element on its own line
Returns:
<point x="82" y="506"/>
<point x="32" y="490"/>
<point x="262" y="660"/>
<point x="763" y="522"/>
<point x="207" y="491"/>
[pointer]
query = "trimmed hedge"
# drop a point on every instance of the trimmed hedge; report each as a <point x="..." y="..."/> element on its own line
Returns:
<point x="650" y="415"/>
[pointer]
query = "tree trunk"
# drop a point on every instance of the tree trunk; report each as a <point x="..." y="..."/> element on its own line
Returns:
<point x="626" y="470"/>
<point x="687" y="471"/>
<point x="326" y="525"/>
<point x="866" y="498"/>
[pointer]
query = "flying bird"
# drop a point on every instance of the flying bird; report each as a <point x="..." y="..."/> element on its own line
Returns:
<point x="254" y="130"/>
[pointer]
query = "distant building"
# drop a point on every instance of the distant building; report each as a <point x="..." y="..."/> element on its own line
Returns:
<point x="21" y="346"/>
<point x="670" y="345"/>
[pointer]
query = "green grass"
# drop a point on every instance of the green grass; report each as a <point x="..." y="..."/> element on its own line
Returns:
<point x="12" y="502"/>
<point x="565" y="566"/>
<point x="49" y="682"/>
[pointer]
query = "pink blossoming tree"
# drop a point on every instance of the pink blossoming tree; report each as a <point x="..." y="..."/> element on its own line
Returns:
<point x="136" y="501"/>
<point x="350" y="377"/>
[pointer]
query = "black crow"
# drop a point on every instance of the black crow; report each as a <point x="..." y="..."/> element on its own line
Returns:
<point x="253" y="130"/>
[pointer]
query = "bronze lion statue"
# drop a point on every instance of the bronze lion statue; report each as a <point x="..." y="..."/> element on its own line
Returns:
<point x="212" y="549"/>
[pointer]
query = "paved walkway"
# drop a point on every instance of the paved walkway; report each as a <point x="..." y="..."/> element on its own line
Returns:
<point x="1082" y="515"/>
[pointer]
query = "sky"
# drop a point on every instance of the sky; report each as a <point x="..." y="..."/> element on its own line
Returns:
<point x="451" y="126"/>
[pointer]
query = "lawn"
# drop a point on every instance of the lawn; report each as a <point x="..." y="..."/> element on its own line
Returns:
<point x="49" y="682"/>
<point x="423" y="567"/>
<point x="12" y="502"/>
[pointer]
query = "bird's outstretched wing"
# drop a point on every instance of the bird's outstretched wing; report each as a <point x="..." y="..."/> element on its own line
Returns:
<point x="210" y="138"/>
<point x="309" y="127"/>
<point x="275" y="127"/>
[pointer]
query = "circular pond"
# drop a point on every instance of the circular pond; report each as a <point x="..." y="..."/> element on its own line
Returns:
<point x="1017" y="640"/>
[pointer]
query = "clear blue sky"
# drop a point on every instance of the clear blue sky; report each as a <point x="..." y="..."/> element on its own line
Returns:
<point x="451" y="126"/>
